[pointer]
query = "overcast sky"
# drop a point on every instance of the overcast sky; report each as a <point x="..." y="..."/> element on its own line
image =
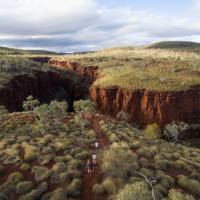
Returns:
<point x="77" y="25"/>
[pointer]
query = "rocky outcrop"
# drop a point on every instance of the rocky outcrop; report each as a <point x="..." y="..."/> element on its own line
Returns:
<point x="90" y="72"/>
<point x="143" y="106"/>
<point x="38" y="84"/>
<point x="146" y="107"/>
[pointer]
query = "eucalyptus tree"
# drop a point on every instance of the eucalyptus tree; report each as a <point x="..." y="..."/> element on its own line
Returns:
<point x="81" y="107"/>
<point x="43" y="115"/>
<point x="57" y="111"/>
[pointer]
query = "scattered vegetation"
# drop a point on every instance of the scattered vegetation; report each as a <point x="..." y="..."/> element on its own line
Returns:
<point x="11" y="66"/>
<point x="136" y="191"/>
<point x="143" y="68"/>
<point x="141" y="157"/>
<point x="31" y="160"/>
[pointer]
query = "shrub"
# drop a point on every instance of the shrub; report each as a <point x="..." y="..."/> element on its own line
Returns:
<point x="24" y="187"/>
<point x="176" y="195"/>
<point x="147" y="172"/>
<point x="72" y="174"/>
<point x="98" y="189"/>
<point x="109" y="186"/>
<point x="25" y="167"/>
<point x="91" y="134"/>
<point x="118" y="161"/>
<point x="152" y="131"/>
<point x="73" y="189"/>
<point x="15" y="177"/>
<point x="30" y="152"/>
<point x="174" y="130"/>
<point x="135" y="145"/>
<point x="82" y="156"/>
<point x="136" y="191"/>
<point x="160" y="164"/>
<point x="190" y="185"/>
<point x="58" y="194"/>
<point x="30" y="103"/>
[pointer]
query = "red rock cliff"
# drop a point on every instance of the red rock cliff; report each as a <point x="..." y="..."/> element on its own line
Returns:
<point x="39" y="84"/>
<point x="143" y="106"/>
<point x="90" y="72"/>
<point x="147" y="107"/>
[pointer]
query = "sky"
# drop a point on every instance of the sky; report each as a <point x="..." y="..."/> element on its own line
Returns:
<point x="82" y="25"/>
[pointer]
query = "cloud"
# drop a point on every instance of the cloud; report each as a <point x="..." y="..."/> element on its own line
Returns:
<point x="69" y="25"/>
<point x="196" y="5"/>
<point x="28" y="17"/>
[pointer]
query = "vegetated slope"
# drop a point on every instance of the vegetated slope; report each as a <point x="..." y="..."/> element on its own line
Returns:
<point x="151" y="85"/>
<point x="175" y="45"/>
<point x="47" y="165"/>
<point x="136" y="157"/>
<point x="13" y="51"/>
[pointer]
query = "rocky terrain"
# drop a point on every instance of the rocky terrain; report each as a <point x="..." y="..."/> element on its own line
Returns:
<point x="143" y="106"/>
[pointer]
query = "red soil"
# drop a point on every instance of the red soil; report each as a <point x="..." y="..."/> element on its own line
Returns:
<point x="89" y="181"/>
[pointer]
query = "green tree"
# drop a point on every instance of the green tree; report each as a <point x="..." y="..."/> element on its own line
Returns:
<point x="48" y="114"/>
<point x="30" y="103"/>
<point x="57" y="111"/>
<point x="42" y="115"/>
<point x="81" y="107"/>
<point x="84" y="106"/>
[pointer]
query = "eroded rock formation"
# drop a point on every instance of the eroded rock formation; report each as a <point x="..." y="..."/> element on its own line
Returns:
<point x="40" y="85"/>
<point x="143" y="106"/>
<point x="89" y="72"/>
<point x="146" y="107"/>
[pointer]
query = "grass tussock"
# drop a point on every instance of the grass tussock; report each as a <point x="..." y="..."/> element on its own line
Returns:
<point x="143" y="68"/>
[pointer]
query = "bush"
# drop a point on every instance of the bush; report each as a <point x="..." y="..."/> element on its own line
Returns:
<point x="24" y="187"/>
<point x="109" y="186"/>
<point x="136" y="191"/>
<point x="73" y="189"/>
<point x="82" y="156"/>
<point x="15" y="177"/>
<point x="98" y="189"/>
<point x="176" y="195"/>
<point x="152" y="131"/>
<point x="119" y="161"/>
<point x="190" y="185"/>
<point x="30" y="103"/>
<point x="174" y="130"/>
<point x="25" y="167"/>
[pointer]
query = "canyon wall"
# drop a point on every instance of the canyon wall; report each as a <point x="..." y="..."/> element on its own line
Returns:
<point x="143" y="106"/>
<point x="38" y="84"/>
<point x="146" y="107"/>
<point x="89" y="72"/>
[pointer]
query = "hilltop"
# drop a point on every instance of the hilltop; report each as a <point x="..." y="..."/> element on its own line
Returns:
<point x="13" y="51"/>
<point x="175" y="45"/>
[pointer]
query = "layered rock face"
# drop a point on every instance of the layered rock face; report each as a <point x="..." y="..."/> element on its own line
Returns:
<point x="39" y="84"/>
<point x="146" y="107"/>
<point x="90" y="72"/>
<point x="143" y="106"/>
